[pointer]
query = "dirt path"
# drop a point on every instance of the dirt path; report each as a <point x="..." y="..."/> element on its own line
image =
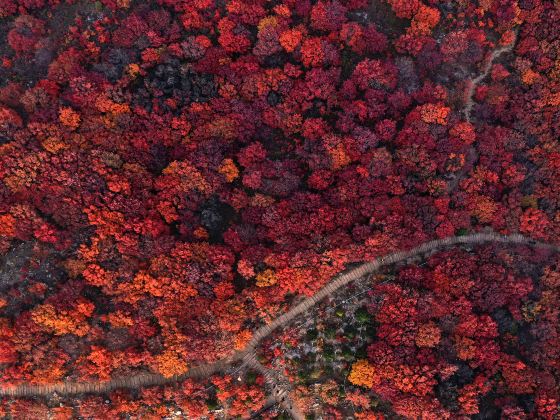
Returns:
<point x="471" y="155"/>
<point x="486" y="67"/>
<point x="204" y="371"/>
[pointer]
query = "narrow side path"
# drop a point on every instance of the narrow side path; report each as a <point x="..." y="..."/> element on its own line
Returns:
<point x="471" y="155"/>
<point x="206" y="370"/>
<point x="486" y="67"/>
<point x="279" y="386"/>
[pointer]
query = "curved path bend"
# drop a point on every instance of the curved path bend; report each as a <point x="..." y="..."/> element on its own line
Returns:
<point x="486" y="67"/>
<point x="206" y="370"/>
<point x="471" y="154"/>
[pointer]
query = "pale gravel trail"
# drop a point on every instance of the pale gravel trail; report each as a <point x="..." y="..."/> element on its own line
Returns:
<point x="206" y="370"/>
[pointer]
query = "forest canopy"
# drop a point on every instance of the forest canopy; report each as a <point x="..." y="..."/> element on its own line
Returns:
<point x="176" y="173"/>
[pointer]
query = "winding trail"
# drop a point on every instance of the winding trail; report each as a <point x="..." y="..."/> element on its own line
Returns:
<point x="473" y="83"/>
<point x="247" y="354"/>
<point x="471" y="155"/>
